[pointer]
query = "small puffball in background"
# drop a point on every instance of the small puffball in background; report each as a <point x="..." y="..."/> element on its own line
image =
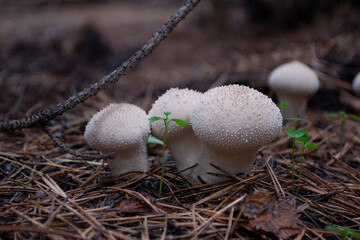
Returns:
<point x="294" y="82"/>
<point x="356" y="84"/>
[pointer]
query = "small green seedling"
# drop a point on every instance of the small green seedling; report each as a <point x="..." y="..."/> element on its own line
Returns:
<point x="342" y="115"/>
<point x="294" y="134"/>
<point x="345" y="232"/>
<point x="301" y="136"/>
<point x="166" y="122"/>
<point x="283" y="105"/>
<point x="304" y="139"/>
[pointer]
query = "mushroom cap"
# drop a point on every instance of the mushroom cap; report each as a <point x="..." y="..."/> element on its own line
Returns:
<point x="117" y="127"/>
<point x="180" y="103"/>
<point x="356" y="83"/>
<point x="235" y="118"/>
<point x="294" y="77"/>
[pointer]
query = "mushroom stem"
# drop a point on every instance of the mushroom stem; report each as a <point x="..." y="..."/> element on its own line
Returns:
<point x="185" y="152"/>
<point x="297" y="104"/>
<point x="131" y="160"/>
<point x="236" y="163"/>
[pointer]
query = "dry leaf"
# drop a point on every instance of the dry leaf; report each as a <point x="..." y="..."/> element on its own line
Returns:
<point x="269" y="214"/>
<point x="134" y="204"/>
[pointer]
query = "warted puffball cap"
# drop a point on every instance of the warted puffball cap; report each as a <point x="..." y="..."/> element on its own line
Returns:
<point x="177" y="101"/>
<point x="294" y="77"/>
<point x="117" y="126"/>
<point x="235" y="118"/>
<point x="356" y="83"/>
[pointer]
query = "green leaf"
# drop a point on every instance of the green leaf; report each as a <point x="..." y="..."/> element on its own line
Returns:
<point x="333" y="228"/>
<point x="179" y="122"/>
<point x="333" y="115"/>
<point x="344" y="231"/>
<point x="303" y="139"/>
<point x="290" y="132"/>
<point x="283" y="104"/>
<point x="154" y="140"/>
<point x="296" y="133"/>
<point x="301" y="133"/>
<point x="355" y="234"/>
<point x="294" y="119"/>
<point x="167" y="113"/>
<point x="311" y="147"/>
<point x="352" y="116"/>
<point x="154" y="119"/>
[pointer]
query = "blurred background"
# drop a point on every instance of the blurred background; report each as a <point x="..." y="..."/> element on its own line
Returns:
<point x="51" y="49"/>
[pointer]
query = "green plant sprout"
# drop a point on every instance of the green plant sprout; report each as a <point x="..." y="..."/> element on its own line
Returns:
<point x="166" y="123"/>
<point x="342" y="115"/>
<point x="294" y="134"/>
<point x="301" y="136"/>
<point x="283" y="105"/>
<point x="345" y="232"/>
<point x="304" y="139"/>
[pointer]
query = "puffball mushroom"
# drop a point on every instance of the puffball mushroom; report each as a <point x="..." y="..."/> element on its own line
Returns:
<point x="180" y="140"/>
<point x="356" y="84"/>
<point x="293" y="82"/>
<point x="122" y="129"/>
<point x="233" y="122"/>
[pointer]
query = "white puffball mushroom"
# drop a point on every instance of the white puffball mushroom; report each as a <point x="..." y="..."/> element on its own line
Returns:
<point x="233" y="122"/>
<point x="180" y="140"/>
<point x="293" y="82"/>
<point x="356" y="84"/>
<point x="122" y="129"/>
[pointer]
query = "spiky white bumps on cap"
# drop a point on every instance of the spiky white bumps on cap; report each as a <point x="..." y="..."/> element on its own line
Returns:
<point x="356" y="84"/>
<point x="180" y="140"/>
<point x="233" y="122"/>
<point x="236" y="118"/>
<point x="294" y="82"/>
<point x="122" y="129"/>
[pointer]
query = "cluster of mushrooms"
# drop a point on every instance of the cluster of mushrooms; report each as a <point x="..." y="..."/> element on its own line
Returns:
<point x="226" y="125"/>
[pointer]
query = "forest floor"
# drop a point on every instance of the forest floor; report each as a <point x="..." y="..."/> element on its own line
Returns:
<point x="49" y="52"/>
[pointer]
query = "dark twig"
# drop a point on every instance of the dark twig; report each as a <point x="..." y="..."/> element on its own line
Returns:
<point x="45" y="115"/>
<point x="188" y="168"/>
<point x="226" y="172"/>
<point x="45" y="231"/>
<point x="72" y="152"/>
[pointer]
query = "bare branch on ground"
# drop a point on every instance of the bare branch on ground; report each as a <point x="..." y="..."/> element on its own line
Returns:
<point x="46" y="115"/>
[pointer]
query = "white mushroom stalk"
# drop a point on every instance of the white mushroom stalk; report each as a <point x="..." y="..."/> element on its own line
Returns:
<point x="294" y="82"/>
<point x="356" y="84"/>
<point x="122" y="129"/>
<point x="233" y="122"/>
<point x="181" y="141"/>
